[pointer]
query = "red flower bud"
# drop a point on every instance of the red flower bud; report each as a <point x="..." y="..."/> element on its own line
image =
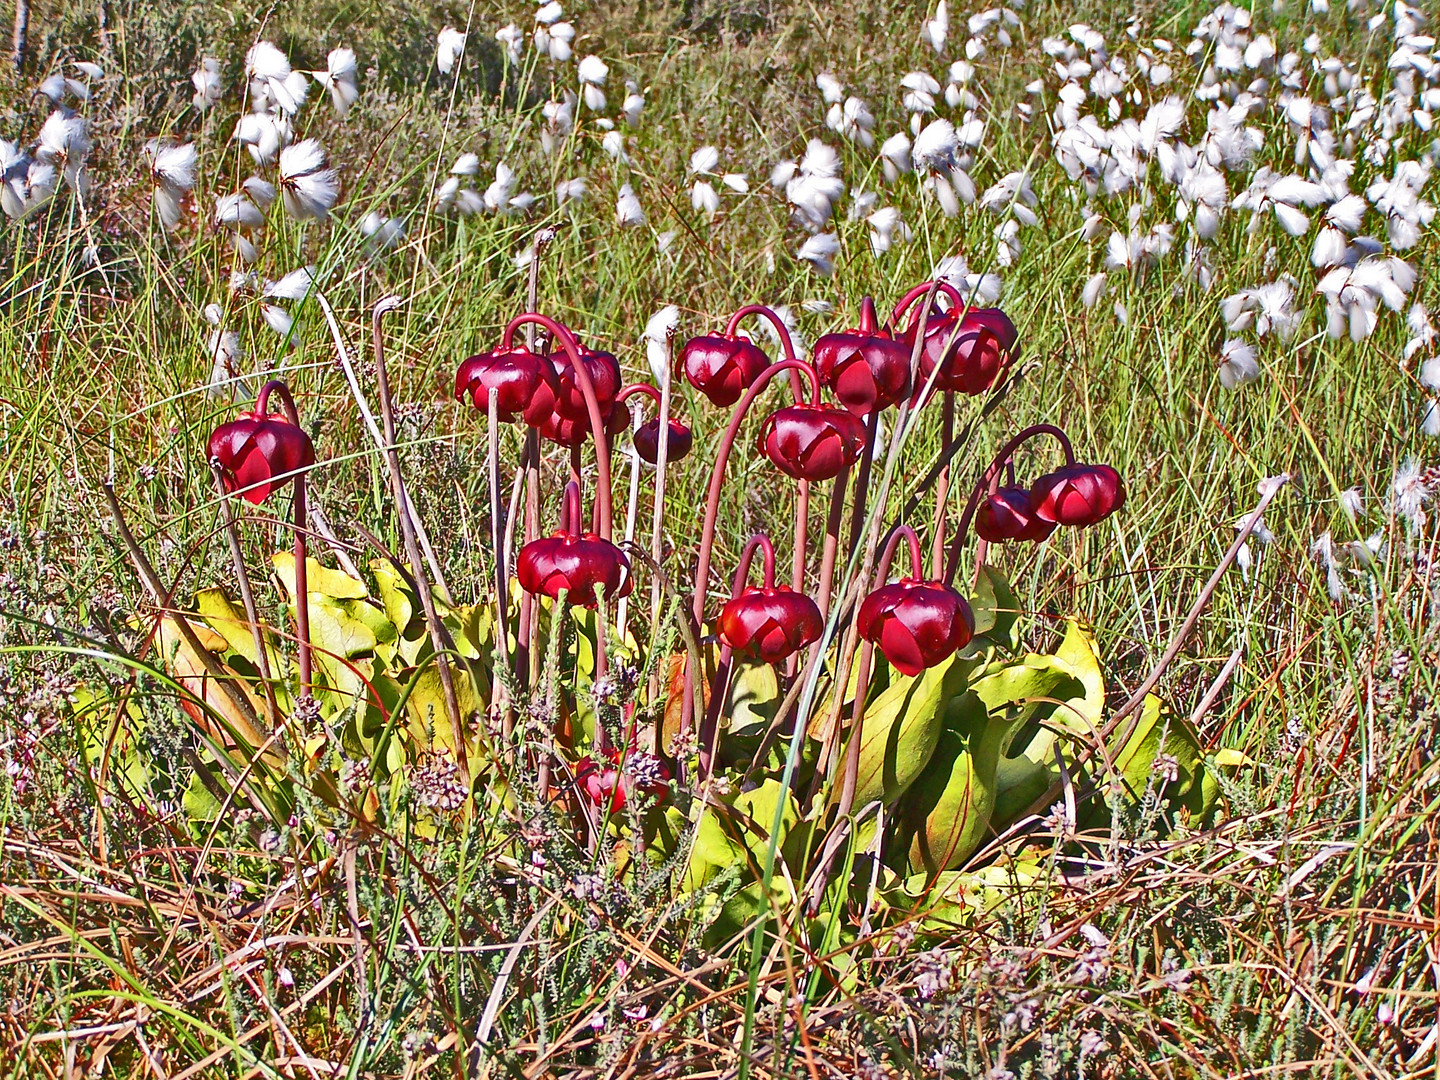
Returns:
<point x="523" y="383"/>
<point x="256" y="452"/>
<point x="722" y="368"/>
<point x="578" y="564"/>
<point x="1006" y="515"/>
<point x="916" y="624"/>
<point x="604" y="372"/>
<point x="647" y="441"/>
<point x="865" y="370"/>
<point x="573" y="432"/>
<point x="1078" y="495"/>
<point x="608" y="782"/>
<point x="984" y="346"/>
<point x="769" y="623"/>
<point x="812" y="442"/>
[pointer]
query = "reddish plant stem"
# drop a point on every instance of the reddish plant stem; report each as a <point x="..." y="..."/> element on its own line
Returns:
<point x="988" y="476"/>
<point x="657" y="513"/>
<point x="850" y="778"/>
<point x="711" y="723"/>
<point x="571" y="521"/>
<point x="592" y="407"/>
<point x="712" y="506"/>
<point x="497" y="533"/>
<point x="916" y="293"/>
<point x="802" y="506"/>
<point x="862" y="479"/>
<point x="299" y="524"/>
<point x="638" y="388"/>
<point x="802" y="530"/>
<point x="831" y="543"/>
<point x="575" y="464"/>
<point x="942" y="486"/>
<point x="528" y="479"/>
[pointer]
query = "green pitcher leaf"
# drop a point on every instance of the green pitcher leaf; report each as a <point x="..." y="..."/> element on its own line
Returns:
<point x="399" y="599"/>
<point x="963" y="897"/>
<point x="902" y="727"/>
<point x="1182" y="777"/>
<point x="425" y="710"/>
<point x="230" y="622"/>
<point x="997" y="611"/>
<point x="319" y="579"/>
<point x="947" y="810"/>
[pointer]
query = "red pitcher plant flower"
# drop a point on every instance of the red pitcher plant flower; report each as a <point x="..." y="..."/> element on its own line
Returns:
<point x="260" y="452"/>
<point x="522" y="382"/>
<point x="971" y="347"/>
<point x="575" y="562"/>
<point x="1008" y="515"/>
<point x="1077" y="495"/>
<point x="866" y="368"/>
<point x="771" y="622"/>
<point x="915" y="623"/>
<point x="256" y="454"/>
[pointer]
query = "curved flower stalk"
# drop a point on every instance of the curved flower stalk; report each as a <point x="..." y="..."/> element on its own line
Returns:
<point x="712" y="502"/>
<point x="1077" y="495"/>
<point x="580" y="372"/>
<point x="256" y="454"/>
<point x="802" y="494"/>
<point x="771" y="623"/>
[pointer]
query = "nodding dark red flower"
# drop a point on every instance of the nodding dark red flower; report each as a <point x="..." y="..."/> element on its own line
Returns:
<point x="523" y="383"/>
<point x="812" y="442"/>
<point x="617" y="779"/>
<point x="769" y="623"/>
<point x="569" y="431"/>
<point x="604" y="372"/>
<point x="984" y="346"/>
<point x="1078" y="495"/>
<point x="916" y="624"/>
<point x="259" y="453"/>
<point x="647" y="441"/>
<point x="722" y="368"/>
<point x="865" y="368"/>
<point x="1007" y="515"/>
<point x="579" y="564"/>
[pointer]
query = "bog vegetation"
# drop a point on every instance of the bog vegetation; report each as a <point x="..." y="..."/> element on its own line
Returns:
<point x="719" y="540"/>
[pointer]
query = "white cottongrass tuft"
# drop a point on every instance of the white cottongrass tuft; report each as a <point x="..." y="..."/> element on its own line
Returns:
<point x="659" y="332"/>
<point x="296" y="285"/>
<point x="895" y="156"/>
<point x="512" y="38"/>
<point x="935" y="146"/>
<point x="628" y="211"/>
<point x="593" y="72"/>
<point x="936" y="30"/>
<point x="339" y="78"/>
<point x="381" y="233"/>
<point x="449" y="47"/>
<point x="1238" y="365"/>
<point x="308" y="186"/>
<point x="704" y="197"/>
<point x="704" y="161"/>
<point x="172" y="168"/>
<point x="1094" y="290"/>
<point x="820" y="251"/>
<point x="206" y="80"/>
